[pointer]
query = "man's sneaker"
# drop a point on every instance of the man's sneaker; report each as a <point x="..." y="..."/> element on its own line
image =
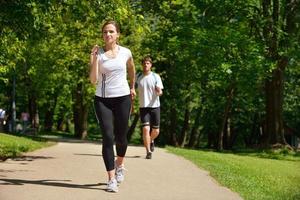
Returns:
<point x="120" y="173"/>
<point x="149" y="155"/>
<point x="112" y="185"/>
<point x="152" y="146"/>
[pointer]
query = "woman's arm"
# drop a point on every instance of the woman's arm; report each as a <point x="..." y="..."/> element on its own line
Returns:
<point x="131" y="74"/>
<point x="94" y="65"/>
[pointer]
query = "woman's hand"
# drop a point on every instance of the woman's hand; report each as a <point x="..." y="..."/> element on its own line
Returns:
<point x="132" y="93"/>
<point x="95" y="50"/>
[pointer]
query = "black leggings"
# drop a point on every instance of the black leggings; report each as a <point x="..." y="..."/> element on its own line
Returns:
<point x="113" y="115"/>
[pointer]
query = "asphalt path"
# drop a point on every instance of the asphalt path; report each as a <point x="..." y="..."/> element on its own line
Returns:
<point x="74" y="170"/>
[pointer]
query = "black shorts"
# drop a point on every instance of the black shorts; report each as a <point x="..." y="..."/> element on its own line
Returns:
<point x="150" y="117"/>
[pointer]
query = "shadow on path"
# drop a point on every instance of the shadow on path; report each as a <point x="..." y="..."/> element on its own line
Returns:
<point x="30" y="158"/>
<point x="55" y="183"/>
<point x="100" y="155"/>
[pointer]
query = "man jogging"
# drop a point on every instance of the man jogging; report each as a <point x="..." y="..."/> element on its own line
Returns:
<point x="149" y="89"/>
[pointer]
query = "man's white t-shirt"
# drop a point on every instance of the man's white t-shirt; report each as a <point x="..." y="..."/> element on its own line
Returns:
<point x="112" y="79"/>
<point x="2" y="113"/>
<point x="146" y="89"/>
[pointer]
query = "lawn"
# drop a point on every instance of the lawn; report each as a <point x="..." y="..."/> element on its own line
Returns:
<point x="15" y="145"/>
<point x="255" y="176"/>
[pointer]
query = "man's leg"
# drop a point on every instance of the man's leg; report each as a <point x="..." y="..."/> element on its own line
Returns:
<point x="146" y="137"/>
<point x="145" y="119"/>
<point x="154" y="133"/>
<point x="155" y="122"/>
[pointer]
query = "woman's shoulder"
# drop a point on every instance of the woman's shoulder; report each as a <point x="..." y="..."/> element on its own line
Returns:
<point x="125" y="49"/>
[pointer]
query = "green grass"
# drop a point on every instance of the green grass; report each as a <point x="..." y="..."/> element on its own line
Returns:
<point x="13" y="145"/>
<point x="255" y="176"/>
<point x="56" y="134"/>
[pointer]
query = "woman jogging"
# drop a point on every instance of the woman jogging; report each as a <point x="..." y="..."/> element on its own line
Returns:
<point x="113" y="99"/>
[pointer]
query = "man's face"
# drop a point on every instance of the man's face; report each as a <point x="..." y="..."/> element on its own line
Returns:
<point x="147" y="66"/>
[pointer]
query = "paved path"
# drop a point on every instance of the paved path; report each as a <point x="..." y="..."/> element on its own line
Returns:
<point x="75" y="171"/>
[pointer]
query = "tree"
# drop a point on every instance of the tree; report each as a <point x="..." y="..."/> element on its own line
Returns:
<point x="278" y="32"/>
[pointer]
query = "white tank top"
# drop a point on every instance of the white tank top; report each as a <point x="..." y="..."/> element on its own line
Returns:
<point x="112" y="79"/>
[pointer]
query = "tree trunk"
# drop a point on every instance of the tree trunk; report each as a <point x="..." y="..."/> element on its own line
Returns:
<point x="212" y="140"/>
<point x="50" y="107"/>
<point x="252" y="140"/>
<point x="195" y="131"/>
<point x="33" y="111"/>
<point x="60" y="124"/>
<point x="227" y="137"/>
<point x="80" y="113"/>
<point x="32" y="102"/>
<point x="173" y="127"/>
<point x="48" y="123"/>
<point x="274" y="132"/>
<point x="63" y="120"/>
<point x="279" y="17"/>
<point x="185" y="127"/>
<point x="225" y="118"/>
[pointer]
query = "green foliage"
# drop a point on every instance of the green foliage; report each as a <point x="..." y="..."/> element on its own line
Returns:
<point x="206" y="50"/>
<point x="251" y="176"/>
<point x="54" y="59"/>
<point x="292" y="98"/>
<point x="201" y="49"/>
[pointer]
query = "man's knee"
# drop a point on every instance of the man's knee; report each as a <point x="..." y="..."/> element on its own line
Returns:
<point x="146" y="126"/>
<point x="155" y="130"/>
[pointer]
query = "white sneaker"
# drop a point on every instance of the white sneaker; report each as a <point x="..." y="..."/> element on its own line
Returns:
<point x="120" y="173"/>
<point x="112" y="185"/>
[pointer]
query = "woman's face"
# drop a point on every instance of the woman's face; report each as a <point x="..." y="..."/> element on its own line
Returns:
<point x="110" y="34"/>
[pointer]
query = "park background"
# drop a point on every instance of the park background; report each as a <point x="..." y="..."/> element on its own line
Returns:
<point x="230" y="68"/>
